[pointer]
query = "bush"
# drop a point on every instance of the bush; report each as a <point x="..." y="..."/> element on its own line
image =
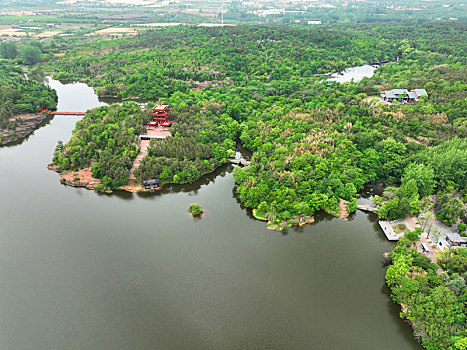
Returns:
<point x="195" y="209"/>
<point x="414" y="235"/>
<point x="461" y="227"/>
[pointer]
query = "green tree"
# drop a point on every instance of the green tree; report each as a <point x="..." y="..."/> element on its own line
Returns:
<point x="423" y="176"/>
<point x="451" y="211"/>
<point x="414" y="235"/>
<point x="30" y="55"/>
<point x="9" y="50"/>
<point x="195" y="209"/>
<point x="377" y="200"/>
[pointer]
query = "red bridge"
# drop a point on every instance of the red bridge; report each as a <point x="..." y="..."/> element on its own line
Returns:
<point x="67" y="113"/>
<point x="62" y="113"/>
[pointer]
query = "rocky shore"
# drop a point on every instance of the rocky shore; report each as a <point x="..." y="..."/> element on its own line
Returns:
<point x="27" y="123"/>
<point x="79" y="178"/>
<point x="84" y="178"/>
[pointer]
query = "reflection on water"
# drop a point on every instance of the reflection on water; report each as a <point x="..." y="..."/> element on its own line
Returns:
<point x="74" y="97"/>
<point x="45" y="122"/>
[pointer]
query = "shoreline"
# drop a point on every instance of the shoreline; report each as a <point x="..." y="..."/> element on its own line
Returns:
<point x="30" y="122"/>
<point x="83" y="178"/>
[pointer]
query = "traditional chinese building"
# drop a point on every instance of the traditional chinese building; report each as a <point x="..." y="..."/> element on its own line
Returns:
<point x="160" y="114"/>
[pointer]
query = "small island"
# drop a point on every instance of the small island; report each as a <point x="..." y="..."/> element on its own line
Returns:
<point x="195" y="210"/>
<point x="131" y="148"/>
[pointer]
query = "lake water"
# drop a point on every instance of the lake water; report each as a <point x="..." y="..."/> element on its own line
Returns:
<point x="355" y="73"/>
<point x="81" y="270"/>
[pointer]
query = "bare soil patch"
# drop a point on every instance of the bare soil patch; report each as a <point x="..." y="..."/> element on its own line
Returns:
<point x="115" y="31"/>
<point x="12" y="32"/>
<point x="48" y="34"/>
<point x="80" y="178"/>
<point x="157" y="24"/>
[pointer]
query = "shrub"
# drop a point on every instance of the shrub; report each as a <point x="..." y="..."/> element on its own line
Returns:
<point x="195" y="209"/>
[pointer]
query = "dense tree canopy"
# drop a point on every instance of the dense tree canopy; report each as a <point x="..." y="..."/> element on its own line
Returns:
<point x="19" y="95"/>
<point x="106" y="139"/>
<point x="435" y="304"/>
<point x="314" y="142"/>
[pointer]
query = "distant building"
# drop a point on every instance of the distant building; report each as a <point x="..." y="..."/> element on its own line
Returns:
<point x="455" y="240"/>
<point x="151" y="184"/>
<point x="314" y="22"/>
<point x="403" y="95"/>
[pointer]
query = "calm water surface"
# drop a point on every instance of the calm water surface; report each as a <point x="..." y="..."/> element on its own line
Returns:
<point x="355" y="73"/>
<point x="80" y="270"/>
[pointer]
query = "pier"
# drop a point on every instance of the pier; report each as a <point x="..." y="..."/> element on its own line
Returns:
<point x="389" y="231"/>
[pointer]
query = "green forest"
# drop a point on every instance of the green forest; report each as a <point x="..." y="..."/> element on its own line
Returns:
<point x="314" y="141"/>
<point x="106" y="139"/>
<point x="432" y="301"/>
<point x="19" y="95"/>
<point x="261" y="85"/>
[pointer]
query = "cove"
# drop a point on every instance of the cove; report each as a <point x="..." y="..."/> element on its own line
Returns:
<point x="82" y="270"/>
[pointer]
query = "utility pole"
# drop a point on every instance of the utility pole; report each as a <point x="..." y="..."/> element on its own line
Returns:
<point x="222" y="15"/>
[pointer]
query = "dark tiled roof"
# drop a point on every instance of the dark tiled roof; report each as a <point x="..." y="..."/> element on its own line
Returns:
<point x="151" y="182"/>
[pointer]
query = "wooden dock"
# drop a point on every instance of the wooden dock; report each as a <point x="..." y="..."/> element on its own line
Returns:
<point x="389" y="231"/>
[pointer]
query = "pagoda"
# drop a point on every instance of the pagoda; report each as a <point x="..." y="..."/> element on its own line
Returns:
<point x="160" y="115"/>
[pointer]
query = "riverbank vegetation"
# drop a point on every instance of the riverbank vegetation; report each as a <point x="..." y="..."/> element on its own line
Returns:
<point x="19" y="95"/>
<point x="314" y="142"/>
<point x="20" y="102"/>
<point x="433" y="302"/>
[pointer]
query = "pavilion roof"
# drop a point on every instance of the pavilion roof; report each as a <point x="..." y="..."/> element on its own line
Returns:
<point x="160" y="107"/>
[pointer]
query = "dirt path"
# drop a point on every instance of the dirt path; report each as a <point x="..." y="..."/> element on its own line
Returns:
<point x="144" y="145"/>
<point x="143" y="152"/>
<point x="343" y="213"/>
<point x="431" y="254"/>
